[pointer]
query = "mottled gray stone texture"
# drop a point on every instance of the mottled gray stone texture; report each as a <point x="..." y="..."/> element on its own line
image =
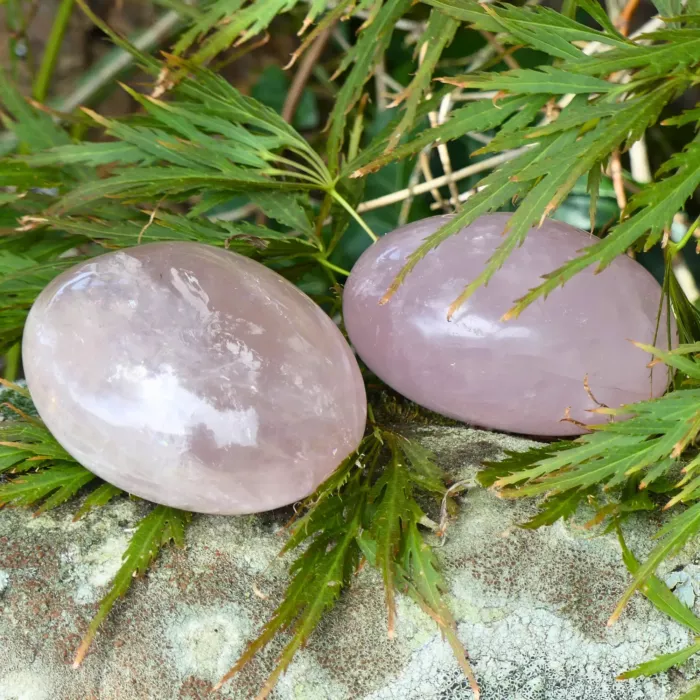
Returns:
<point x="519" y="375"/>
<point x="531" y="608"/>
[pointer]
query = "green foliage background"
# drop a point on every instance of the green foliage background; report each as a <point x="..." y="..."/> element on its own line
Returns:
<point x="516" y="107"/>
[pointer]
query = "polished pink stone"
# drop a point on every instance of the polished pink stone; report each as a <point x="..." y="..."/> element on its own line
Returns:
<point x="520" y="375"/>
<point x="193" y="377"/>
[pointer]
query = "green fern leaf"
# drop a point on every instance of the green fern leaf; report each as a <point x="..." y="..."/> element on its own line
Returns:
<point x="526" y="81"/>
<point x="392" y="503"/>
<point x="101" y="496"/>
<point x="674" y="536"/>
<point x="318" y="577"/>
<point x="661" y="663"/>
<point x="559" y="507"/>
<point x="233" y="23"/>
<point x="425" y="585"/>
<point x="438" y="34"/>
<point x="160" y="527"/>
<point x="34" y="129"/>
<point x="477" y="116"/>
<point x="56" y="485"/>
<point x="692" y="694"/>
<point x="514" y="462"/>
<point x="682" y="49"/>
<point x="421" y="466"/>
<point x="10" y="456"/>
<point x="469" y="11"/>
<point x="654" y="208"/>
<point x="364" y="54"/>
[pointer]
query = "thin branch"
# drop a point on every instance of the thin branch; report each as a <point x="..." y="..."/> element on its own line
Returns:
<point x="481" y="166"/>
<point x="463" y="197"/>
<point x="424" y="162"/>
<point x="405" y="25"/>
<point x="149" y="223"/>
<point x="235" y="214"/>
<point x="639" y="161"/>
<point x="443" y="150"/>
<point x="301" y="78"/>
<point x="424" y="158"/>
<point x="623" y="21"/>
<point x="502" y="52"/>
<point x="412" y="184"/>
<point x="618" y="180"/>
<point x="474" y="96"/>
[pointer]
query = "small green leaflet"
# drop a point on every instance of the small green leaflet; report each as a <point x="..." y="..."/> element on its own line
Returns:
<point x="425" y="585"/>
<point x="663" y="598"/>
<point x="391" y="499"/>
<point x="657" y="60"/>
<point x="34" y="129"/>
<point x="477" y="116"/>
<point x="545" y="80"/>
<point x="230" y="22"/>
<point x="288" y="209"/>
<point x="674" y="535"/>
<point x="653" y="209"/>
<point x="101" y="496"/>
<point x="367" y="508"/>
<point x="438" y="34"/>
<point x="318" y="576"/>
<point x="372" y="42"/>
<point x="662" y="663"/>
<point x="160" y="527"/>
<point x="557" y="507"/>
<point x="56" y="485"/>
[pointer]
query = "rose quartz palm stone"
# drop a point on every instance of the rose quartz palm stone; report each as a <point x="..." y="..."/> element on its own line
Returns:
<point x="193" y="377"/>
<point x="519" y="375"/>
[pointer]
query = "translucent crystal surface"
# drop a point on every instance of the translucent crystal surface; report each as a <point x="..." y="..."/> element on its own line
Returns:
<point x="520" y="375"/>
<point x="193" y="377"/>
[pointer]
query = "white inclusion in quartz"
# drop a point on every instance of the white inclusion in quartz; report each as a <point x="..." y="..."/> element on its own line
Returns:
<point x="161" y="404"/>
<point x="190" y="288"/>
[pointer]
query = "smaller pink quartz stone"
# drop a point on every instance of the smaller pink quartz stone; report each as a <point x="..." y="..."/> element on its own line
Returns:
<point x="520" y="375"/>
<point x="193" y="377"/>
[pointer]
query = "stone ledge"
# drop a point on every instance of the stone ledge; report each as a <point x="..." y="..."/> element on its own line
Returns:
<point x="531" y="608"/>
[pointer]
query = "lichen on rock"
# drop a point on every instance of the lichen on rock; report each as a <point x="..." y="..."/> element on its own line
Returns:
<point x="531" y="608"/>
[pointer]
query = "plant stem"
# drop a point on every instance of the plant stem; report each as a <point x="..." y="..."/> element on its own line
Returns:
<point x="677" y="247"/>
<point x="338" y="198"/>
<point x="331" y="266"/>
<point x="12" y="359"/>
<point x="321" y="218"/>
<point x="53" y="46"/>
<point x="569" y="9"/>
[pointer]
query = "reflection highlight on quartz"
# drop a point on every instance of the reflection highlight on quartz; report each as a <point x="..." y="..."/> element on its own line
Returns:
<point x="159" y="403"/>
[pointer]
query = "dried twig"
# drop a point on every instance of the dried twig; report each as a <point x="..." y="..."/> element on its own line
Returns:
<point x="406" y="206"/>
<point x="502" y="52"/>
<point x="148" y="224"/>
<point x="301" y="78"/>
<point x="623" y="21"/>
<point x="618" y="180"/>
<point x="481" y="166"/>
<point x="436" y="119"/>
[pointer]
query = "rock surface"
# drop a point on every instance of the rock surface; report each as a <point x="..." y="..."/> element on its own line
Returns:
<point x="520" y="375"/>
<point x="219" y="387"/>
<point x="531" y="608"/>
